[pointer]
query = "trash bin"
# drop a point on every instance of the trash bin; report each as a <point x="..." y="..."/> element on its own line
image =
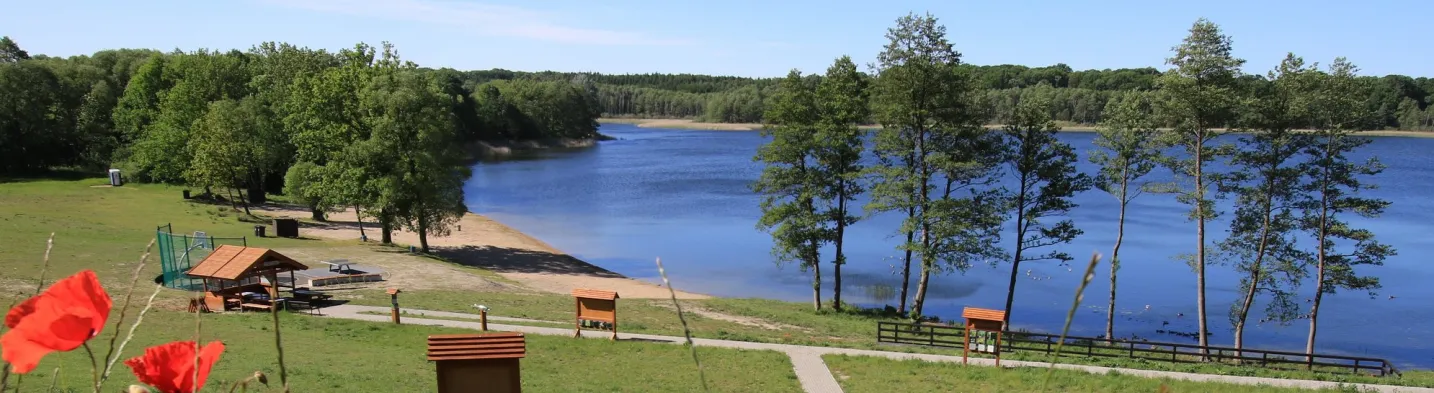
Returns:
<point x="186" y="194"/>
<point x="259" y="230"/>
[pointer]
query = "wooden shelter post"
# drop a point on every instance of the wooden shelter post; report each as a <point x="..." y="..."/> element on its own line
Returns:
<point x="393" y="296"/>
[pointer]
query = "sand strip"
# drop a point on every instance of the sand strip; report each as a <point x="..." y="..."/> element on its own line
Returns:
<point x="485" y="243"/>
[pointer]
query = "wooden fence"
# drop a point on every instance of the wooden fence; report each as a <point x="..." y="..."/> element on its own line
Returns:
<point x="949" y="336"/>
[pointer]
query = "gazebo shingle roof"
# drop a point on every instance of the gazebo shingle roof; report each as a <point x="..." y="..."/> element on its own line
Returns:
<point x="230" y="262"/>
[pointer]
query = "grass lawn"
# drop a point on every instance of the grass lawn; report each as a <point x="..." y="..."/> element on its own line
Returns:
<point x="333" y="355"/>
<point x="800" y="326"/>
<point x="870" y="374"/>
<point x="105" y="229"/>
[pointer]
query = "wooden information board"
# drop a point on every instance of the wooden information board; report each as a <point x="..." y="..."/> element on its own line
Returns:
<point x="478" y="362"/>
<point x="983" y="332"/>
<point x="597" y="308"/>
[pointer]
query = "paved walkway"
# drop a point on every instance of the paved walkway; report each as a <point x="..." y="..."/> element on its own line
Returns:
<point x="807" y="361"/>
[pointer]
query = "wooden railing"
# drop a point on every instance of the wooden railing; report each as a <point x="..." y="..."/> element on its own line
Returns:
<point x="948" y="336"/>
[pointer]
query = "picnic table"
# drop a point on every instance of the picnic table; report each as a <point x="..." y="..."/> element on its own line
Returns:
<point x="306" y="294"/>
<point x="338" y="265"/>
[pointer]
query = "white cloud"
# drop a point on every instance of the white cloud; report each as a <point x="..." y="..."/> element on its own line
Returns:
<point x="494" y="20"/>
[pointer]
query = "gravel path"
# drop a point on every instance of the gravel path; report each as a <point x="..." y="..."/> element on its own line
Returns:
<point x="812" y="372"/>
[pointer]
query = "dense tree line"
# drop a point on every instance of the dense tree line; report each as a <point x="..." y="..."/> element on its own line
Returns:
<point x="956" y="183"/>
<point x="1395" y="101"/>
<point x="358" y="128"/>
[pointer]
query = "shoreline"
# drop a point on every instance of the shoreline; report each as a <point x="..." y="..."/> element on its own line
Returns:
<point x="689" y="124"/>
<point x="482" y="242"/>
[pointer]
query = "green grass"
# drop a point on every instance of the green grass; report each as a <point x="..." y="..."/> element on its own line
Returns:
<point x="788" y="323"/>
<point x="103" y="228"/>
<point x="106" y="229"/>
<point x="870" y="374"/>
<point x="333" y="355"/>
<point x="820" y="329"/>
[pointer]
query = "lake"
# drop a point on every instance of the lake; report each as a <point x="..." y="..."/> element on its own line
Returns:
<point x="683" y="196"/>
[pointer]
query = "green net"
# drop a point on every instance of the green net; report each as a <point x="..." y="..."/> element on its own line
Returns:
<point x="179" y="252"/>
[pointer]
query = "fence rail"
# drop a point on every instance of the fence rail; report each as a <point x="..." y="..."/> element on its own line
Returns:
<point x="179" y="252"/>
<point x="949" y="336"/>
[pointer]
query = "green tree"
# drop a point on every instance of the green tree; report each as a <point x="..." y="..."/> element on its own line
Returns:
<point x="789" y="184"/>
<point x="1261" y="244"/>
<point x="222" y="146"/>
<point x="30" y="130"/>
<point x="94" y="125"/>
<point x="1335" y="188"/>
<point x="138" y="106"/>
<point x="10" y="51"/>
<point x="929" y="110"/>
<point x="1199" y="95"/>
<point x="304" y="181"/>
<point x="1046" y="180"/>
<point x="420" y="187"/>
<point x="1126" y="152"/>
<point x="841" y="100"/>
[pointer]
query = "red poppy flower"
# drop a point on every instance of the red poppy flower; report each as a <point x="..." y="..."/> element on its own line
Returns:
<point x="170" y="367"/>
<point x="60" y="319"/>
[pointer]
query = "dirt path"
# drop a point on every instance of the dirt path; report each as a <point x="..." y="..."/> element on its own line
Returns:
<point x="482" y="242"/>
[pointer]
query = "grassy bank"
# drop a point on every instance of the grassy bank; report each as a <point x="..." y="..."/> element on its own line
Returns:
<point x="331" y="355"/>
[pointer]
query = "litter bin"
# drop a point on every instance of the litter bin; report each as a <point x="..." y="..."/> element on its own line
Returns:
<point x="259" y="230"/>
<point x="186" y="194"/>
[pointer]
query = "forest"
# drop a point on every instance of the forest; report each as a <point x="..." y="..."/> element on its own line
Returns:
<point x="1397" y="101"/>
<point x="358" y="128"/>
<point x="957" y="183"/>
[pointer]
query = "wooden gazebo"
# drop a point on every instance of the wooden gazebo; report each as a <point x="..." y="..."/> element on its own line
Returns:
<point x="232" y="271"/>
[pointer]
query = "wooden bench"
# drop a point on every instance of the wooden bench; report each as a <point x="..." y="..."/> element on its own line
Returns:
<point x="256" y="306"/>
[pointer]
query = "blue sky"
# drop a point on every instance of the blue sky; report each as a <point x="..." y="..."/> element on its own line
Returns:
<point x="737" y="37"/>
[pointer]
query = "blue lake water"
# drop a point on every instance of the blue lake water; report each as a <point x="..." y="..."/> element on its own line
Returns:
<point x="683" y="196"/>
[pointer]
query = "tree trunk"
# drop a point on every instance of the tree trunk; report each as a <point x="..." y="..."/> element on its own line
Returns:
<point x="317" y="213"/>
<point x="1200" y="251"/>
<point x="817" y="286"/>
<point x="232" y="200"/>
<point x="906" y="262"/>
<point x="814" y="253"/>
<point x="423" y="232"/>
<point x="921" y="201"/>
<point x="1244" y="315"/>
<point x="1115" y="258"/>
<point x="1020" y="241"/>
<point x="385" y="222"/>
<point x="245" y="201"/>
<point x="1320" y="263"/>
<point x="920" y="300"/>
<point x="358" y="217"/>
<point x="840" y="258"/>
<point x="910" y="236"/>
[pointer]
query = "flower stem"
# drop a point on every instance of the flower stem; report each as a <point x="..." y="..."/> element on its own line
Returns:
<point x="278" y="344"/>
<point x="685" y="331"/>
<point x="134" y="281"/>
<point x="94" y="368"/>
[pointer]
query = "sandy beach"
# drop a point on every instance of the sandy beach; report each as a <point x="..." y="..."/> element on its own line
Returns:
<point x="485" y="243"/>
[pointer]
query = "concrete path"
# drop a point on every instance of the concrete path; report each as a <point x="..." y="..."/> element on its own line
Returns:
<point x="807" y="362"/>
